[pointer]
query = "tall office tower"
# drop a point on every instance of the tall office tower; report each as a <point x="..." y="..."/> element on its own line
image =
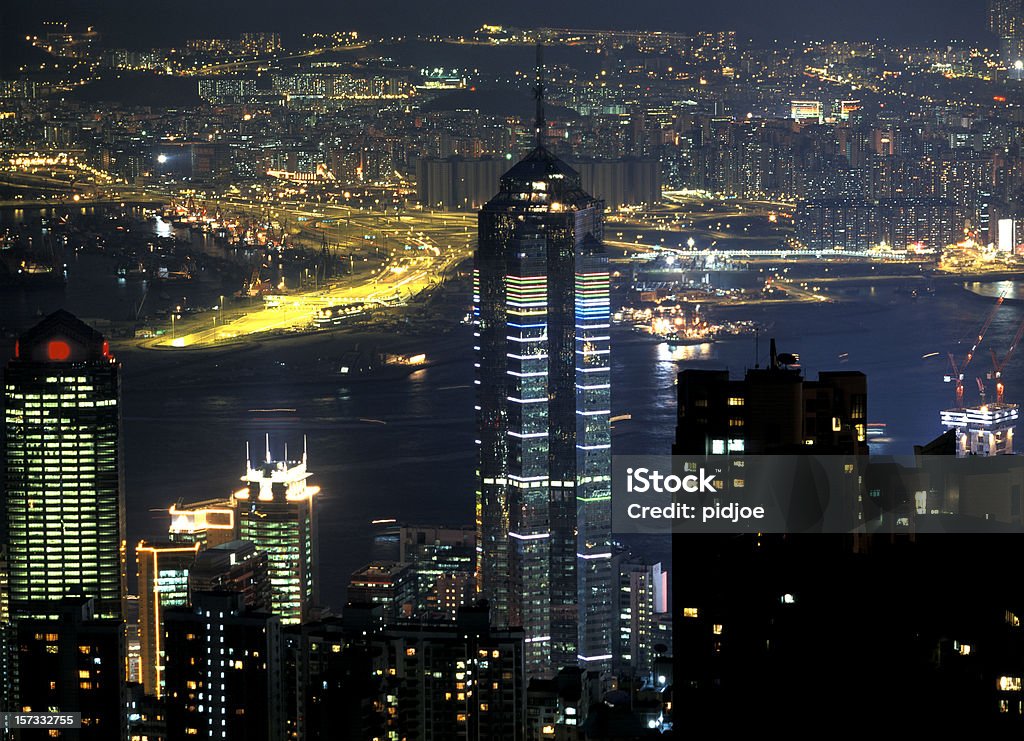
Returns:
<point x="442" y="561"/>
<point x="209" y="523"/>
<point x="71" y="660"/>
<point x="233" y="567"/>
<point x="276" y="514"/>
<point x="163" y="583"/>
<point x="541" y="310"/>
<point x="65" y="492"/>
<point x="223" y="671"/>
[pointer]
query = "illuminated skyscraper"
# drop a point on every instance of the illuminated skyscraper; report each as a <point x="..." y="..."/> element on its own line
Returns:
<point x="541" y="309"/>
<point x="65" y="493"/>
<point x="276" y="513"/>
<point x="163" y="583"/>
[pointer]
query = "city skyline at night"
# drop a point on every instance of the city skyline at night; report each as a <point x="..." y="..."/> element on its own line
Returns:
<point x="359" y="363"/>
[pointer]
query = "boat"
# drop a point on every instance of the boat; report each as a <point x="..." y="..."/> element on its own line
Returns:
<point x="335" y="315"/>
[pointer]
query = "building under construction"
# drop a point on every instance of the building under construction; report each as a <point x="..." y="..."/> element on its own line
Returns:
<point x="985" y="429"/>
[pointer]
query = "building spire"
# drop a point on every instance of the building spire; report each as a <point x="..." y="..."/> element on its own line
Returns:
<point x="538" y="92"/>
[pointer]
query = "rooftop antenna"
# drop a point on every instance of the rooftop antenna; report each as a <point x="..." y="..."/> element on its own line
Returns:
<point x="268" y="447"/>
<point x="538" y="92"/>
<point x="248" y="459"/>
<point x="304" y="449"/>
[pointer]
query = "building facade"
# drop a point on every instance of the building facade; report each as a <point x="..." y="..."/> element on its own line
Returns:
<point x="163" y="583"/>
<point x="541" y="296"/>
<point x="276" y="513"/>
<point x="223" y="671"/>
<point x="65" y="480"/>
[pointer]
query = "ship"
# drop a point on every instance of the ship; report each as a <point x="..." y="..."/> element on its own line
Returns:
<point x="32" y="269"/>
<point x="332" y="316"/>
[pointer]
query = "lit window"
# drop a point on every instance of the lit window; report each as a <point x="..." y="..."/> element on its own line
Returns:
<point x="736" y="401"/>
<point x="1008" y="684"/>
<point x="690" y="612"/>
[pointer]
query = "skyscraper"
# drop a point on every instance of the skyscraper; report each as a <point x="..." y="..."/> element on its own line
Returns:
<point x="65" y="493"/>
<point x="163" y="583"/>
<point x="541" y="310"/>
<point x="276" y="514"/>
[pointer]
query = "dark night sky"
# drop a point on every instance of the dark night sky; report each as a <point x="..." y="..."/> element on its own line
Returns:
<point x="135" y="23"/>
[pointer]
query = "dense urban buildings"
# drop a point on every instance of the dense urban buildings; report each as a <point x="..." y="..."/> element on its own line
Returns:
<point x="369" y="233"/>
<point x="69" y="657"/>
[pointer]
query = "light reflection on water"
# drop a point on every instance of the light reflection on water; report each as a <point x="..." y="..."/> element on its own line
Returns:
<point x="677" y="353"/>
<point x="1011" y="289"/>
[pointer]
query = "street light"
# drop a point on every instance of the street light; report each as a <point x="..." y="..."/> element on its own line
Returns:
<point x="174" y="315"/>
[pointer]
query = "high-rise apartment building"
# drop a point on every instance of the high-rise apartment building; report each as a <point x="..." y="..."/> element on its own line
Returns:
<point x="69" y="659"/>
<point x="223" y="671"/>
<point x="64" y="483"/>
<point x="541" y="314"/>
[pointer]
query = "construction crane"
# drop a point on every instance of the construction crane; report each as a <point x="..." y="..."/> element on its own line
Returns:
<point x="998" y="365"/>
<point x="959" y="370"/>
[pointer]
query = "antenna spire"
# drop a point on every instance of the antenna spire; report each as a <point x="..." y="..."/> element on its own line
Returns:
<point x="268" y="447"/>
<point x="538" y="92"/>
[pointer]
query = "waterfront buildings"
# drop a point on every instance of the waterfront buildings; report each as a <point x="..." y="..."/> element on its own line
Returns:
<point x="233" y="567"/>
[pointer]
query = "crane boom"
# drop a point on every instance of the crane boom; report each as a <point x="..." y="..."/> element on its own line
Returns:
<point x="998" y="365"/>
<point x="959" y="371"/>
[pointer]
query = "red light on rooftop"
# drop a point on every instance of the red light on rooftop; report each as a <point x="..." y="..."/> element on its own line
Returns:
<point x="58" y="350"/>
<point x="999" y="98"/>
